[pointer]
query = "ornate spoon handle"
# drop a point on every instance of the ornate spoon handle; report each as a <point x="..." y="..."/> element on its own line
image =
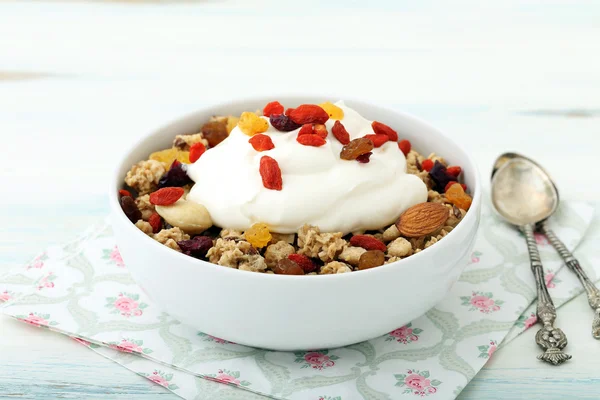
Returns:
<point x="592" y="291"/>
<point x="551" y="339"/>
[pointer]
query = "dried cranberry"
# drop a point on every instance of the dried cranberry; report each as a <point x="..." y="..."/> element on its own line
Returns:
<point x="440" y="176"/>
<point x="364" y="158"/>
<point x="196" y="247"/>
<point x="175" y="177"/>
<point x="283" y="123"/>
<point x="130" y="209"/>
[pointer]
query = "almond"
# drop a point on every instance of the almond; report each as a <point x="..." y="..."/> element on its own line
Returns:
<point x="422" y="219"/>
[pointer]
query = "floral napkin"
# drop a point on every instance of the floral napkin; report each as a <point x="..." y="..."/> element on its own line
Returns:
<point x="83" y="289"/>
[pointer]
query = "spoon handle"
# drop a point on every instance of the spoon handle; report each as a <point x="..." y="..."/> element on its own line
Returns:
<point x="592" y="291"/>
<point x="551" y="339"/>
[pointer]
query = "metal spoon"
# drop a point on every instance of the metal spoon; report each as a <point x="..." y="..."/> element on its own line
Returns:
<point x="593" y="293"/>
<point x="523" y="195"/>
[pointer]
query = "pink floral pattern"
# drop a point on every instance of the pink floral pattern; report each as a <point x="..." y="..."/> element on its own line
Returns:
<point x="113" y="256"/>
<point x="209" y="338"/>
<point x="486" y="351"/>
<point x="483" y="302"/>
<point x="475" y="257"/>
<point x="6" y="296"/>
<point x="540" y="239"/>
<point x="405" y="334"/>
<point x="130" y="346"/>
<point x="315" y="359"/>
<point x="551" y="279"/>
<point x="47" y="281"/>
<point x="417" y="382"/>
<point x="526" y="322"/>
<point x="37" y="262"/>
<point x="37" y="319"/>
<point x="126" y="304"/>
<point x="160" y="378"/>
<point x="229" y="377"/>
<point x="329" y="398"/>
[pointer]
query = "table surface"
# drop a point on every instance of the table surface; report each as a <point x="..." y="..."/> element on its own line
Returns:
<point x="79" y="81"/>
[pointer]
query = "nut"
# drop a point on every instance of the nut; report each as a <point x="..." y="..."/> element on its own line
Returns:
<point x="422" y="219"/>
<point x="192" y="218"/>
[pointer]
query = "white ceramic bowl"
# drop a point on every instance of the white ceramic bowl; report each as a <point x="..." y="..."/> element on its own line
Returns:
<point x="297" y="312"/>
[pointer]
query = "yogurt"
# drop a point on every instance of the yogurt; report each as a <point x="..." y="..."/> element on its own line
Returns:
<point x="319" y="188"/>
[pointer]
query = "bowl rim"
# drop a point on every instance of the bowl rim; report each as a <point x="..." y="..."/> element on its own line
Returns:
<point x="124" y="155"/>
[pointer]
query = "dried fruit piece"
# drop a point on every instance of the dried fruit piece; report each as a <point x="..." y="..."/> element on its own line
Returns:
<point x="196" y="150"/>
<point x="380" y="128"/>
<point x="308" y="114"/>
<point x="454" y="183"/>
<point x="304" y="262"/>
<point x="355" y="148"/>
<point x="371" y="259"/>
<point x="261" y="142"/>
<point x="422" y="219"/>
<point x="215" y="131"/>
<point x="440" y="176"/>
<point x="404" y="146"/>
<point x="334" y="111"/>
<point x="251" y="124"/>
<point x="124" y="192"/>
<point x="307" y="129"/>
<point x="427" y="165"/>
<point x="457" y="196"/>
<point x="311" y="140"/>
<point x="155" y="222"/>
<point x="364" y="158"/>
<point x="130" y="209"/>
<point x="169" y="155"/>
<point x="340" y="133"/>
<point x="286" y="266"/>
<point x="454" y="170"/>
<point x="273" y="108"/>
<point x="175" y="176"/>
<point x="196" y="247"/>
<point x="258" y="235"/>
<point x="166" y="196"/>
<point x="288" y="111"/>
<point x="378" y="140"/>
<point x="320" y="130"/>
<point x="367" y="242"/>
<point x="270" y="173"/>
<point x="283" y="123"/>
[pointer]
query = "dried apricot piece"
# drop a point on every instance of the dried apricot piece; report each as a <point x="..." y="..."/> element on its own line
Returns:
<point x="454" y="182"/>
<point x="273" y="108"/>
<point x="270" y="173"/>
<point x="355" y="148"/>
<point x="169" y="155"/>
<point x="258" y="235"/>
<point x="341" y="134"/>
<point x="378" y="139"/>
<point x="457" y="196"/>
<point x="334" y="111"/>
<point x="378" y="127"/>
<point x="251" y="124"/>
<point x="308" y="114"/>
<point x="196" y="150"/>
<point x="311" y="140"/>
<point x="404" y="146"/>
<point x="261" y="142"/>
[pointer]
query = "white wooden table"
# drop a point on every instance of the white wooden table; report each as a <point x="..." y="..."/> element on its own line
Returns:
<point x="77" y="81"/>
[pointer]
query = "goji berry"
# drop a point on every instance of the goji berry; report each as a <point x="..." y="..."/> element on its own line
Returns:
<point x="270" y="173"/>
<point x="273" y="108"/>
<point x="454" y="171"/>
<point x="124" y="192"/>
<point x="288" y="111"/>
<point x="307" y="129"/>
<point x="340" y="133"/>
<point x="427" y="165"/>
<point x="320" y="129"/>
<point x="261" y="142"/>
<point x="166" y="196"/>
<point x="452" y="183"/>
<point x="378" y="127"/>
<point x="364" y="158"/>
<point x="404" y="146"/>
<point x="378" y="140"/>
<point x="367" y="242"/>
<point x="196" y="150"/>
<point x="311" y="140"/>
<point x="303" y="261"/>
<point x="308" y="114"/>
<point x="155" y="222"/>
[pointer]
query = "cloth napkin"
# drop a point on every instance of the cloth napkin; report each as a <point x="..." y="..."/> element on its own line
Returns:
<point x="82" y="289"/>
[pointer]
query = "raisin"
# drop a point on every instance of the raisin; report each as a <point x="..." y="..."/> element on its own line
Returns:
<point x="378" y="127"/>
<point x="175" y="176"/>
<point x="251" y="124"/>
<point x="308" y="114"/>
<point x="155" y="222"/>
<point x="454" y="171"/>
<point x="367" y="242"/>
<point x="283" y="123"/>
<point x="196" y="247"/>
<point x="130" y="209"/>
<point x="261" y="142"/>
<point x="334" y="111"/>
<point x="371" y="259"/>
<point x="404" y="146"/>
<point x="457" y="196"/>
<point x="215" y="132"/>
<point x="320" y="130"/>
<point x="427" y="165"/>
<point x="378" y="140"/>
<point x="196" y="150"/>
<point x="311" y="140"/>
<point x="440" y="176"/>
<point x="340" y="133"/>
<point x="166" y="196"/>
<point x="285" y="266"/>
<point x="273" y="108"/>
<point x="258" y="235"/>
<point x="364" y="158"/>
<point x="355" y="148"/>
<point x="303" y="261"/>
<point x="270" y="173"/>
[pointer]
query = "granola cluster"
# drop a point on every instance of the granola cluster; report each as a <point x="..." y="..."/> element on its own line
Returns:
<point x="309" y="251"/>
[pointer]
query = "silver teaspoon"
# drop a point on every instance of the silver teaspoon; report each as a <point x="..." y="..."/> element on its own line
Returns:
<point x="593" y="293"/>
<point x="522" y="194"/>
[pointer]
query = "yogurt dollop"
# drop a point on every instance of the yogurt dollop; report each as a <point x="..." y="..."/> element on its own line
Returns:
<point x="319" y="188"/>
